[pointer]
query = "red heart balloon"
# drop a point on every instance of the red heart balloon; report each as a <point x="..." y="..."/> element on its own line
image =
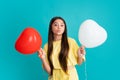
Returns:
<point x="29" y="41"/>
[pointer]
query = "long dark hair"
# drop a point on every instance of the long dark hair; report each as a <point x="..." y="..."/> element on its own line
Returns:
<point x="64" y="46"/>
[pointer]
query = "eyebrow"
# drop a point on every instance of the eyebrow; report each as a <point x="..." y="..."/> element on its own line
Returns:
<point x="56" y="22"/>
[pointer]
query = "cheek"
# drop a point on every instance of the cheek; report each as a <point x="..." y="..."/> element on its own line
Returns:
<point x="63" y="29"/>
<point x="53" y="30"/>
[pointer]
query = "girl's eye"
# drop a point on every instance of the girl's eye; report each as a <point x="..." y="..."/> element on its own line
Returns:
<point x="55" y="24"/>
<point x="62" y="25"/>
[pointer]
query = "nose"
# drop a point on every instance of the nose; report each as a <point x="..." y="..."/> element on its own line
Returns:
<point x="58" y="26"/>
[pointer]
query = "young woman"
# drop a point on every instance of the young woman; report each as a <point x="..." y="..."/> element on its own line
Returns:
<point x="61" y="54"/>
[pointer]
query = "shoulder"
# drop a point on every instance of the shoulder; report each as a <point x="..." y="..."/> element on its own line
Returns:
<point x="71" y="39"/>
<point x="45" y="48"/>
<point x="46" y="45"/>
<point x="72" y="42"/>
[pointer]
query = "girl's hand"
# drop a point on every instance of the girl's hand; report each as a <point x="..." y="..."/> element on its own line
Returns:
<point x="81" y="51"/>
<point x="41" y="53"/>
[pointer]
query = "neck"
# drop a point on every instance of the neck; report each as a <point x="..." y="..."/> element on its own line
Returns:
<point x="57" y="37"/>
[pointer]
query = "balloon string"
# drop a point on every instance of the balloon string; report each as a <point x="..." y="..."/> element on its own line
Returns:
<point x="85" y="71"/>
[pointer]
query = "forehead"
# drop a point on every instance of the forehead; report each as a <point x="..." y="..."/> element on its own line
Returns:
<point x="58" y="21"/>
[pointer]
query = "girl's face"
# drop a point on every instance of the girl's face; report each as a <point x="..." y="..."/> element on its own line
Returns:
<point x="58" y="27"/>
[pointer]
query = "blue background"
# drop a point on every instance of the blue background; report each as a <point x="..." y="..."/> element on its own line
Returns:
<point x="15" y="15"/>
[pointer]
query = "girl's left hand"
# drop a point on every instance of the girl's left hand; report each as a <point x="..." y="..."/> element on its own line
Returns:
<point x="81" y="51"/>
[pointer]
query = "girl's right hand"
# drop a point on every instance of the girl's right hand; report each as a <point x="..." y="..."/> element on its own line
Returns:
<point x="41" y="53"/>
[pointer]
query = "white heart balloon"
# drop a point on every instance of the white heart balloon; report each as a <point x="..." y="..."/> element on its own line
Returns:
<point x="91" y="34"/>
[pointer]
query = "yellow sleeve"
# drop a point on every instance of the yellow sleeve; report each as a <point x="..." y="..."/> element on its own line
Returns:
<point x="75" y="50"/>
<point x="45" y="50"/>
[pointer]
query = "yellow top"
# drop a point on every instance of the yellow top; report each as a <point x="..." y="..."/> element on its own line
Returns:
<point x="72" y="55"/>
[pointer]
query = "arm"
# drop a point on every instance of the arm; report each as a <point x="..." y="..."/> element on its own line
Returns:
<point x="81" y="54"/>
<point x="42" y="56"/>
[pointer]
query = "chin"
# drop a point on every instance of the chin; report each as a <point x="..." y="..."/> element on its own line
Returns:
<point x="59" y="34"/>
